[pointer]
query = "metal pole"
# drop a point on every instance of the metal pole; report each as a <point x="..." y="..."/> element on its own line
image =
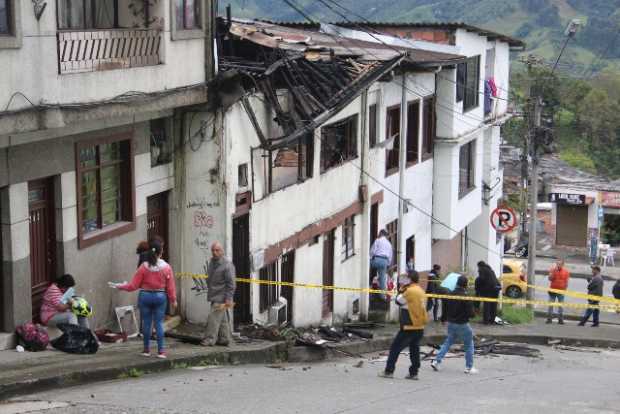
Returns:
<point x="402" y="166"/>
<point x="533" y="144"/>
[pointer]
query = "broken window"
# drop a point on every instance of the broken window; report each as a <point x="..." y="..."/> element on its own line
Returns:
<point x="429" y="129"/>
<point x="268" y="293"/>
<point x="393" y="134"/>
<point x="413" y="122"/>
<point x="348" y="237"/>
<point x="291" y="165"/>
<point x="373" y="132"/>
<point x="338" y="143"/>
<point x="161" y="141"/>
<point x="466" y="168"/>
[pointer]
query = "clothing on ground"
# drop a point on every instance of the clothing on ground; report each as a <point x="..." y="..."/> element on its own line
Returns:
<point x="221" y="282"/>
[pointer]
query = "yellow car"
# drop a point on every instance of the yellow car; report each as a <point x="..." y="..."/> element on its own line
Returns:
<point x="514" y="279"/>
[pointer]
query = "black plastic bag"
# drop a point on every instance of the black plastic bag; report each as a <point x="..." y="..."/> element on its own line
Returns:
<point x="75" y="340"/>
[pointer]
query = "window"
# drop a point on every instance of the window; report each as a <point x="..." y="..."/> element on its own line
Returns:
<point x="242" y="175"/>
<point x="392" y="230"/>
<point x="429" y="127"/>
<point x="105" y="189"/>
<point x="5" y="17"/>
<point x="268" y="294"/>
<point x="87" y="14"/>
<point x="187" y="14"/>
<point x="466" y="168"/>
<point x="413" y="122"/>
<point x="410" y="249"/>
<point x="348" y="237"/>
<point x="338" y="143"/>
<point x="393" y="133"/>
<point x="161" y="141"/>
<point x="291" y="165"/>
<point x="372" y="126"/>
<point x="468" y="82"/>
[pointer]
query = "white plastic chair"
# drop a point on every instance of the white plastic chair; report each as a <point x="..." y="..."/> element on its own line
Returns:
<point x="609" y="257"/>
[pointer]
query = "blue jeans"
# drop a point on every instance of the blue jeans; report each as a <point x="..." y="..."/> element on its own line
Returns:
<point x="458" y="331"/>
<point x="552" y="298"/>
<point x="403" y="340"/>
<point x="380" y="265"/>
<point x="591" y="312"/>
<point x="152" y="310"/>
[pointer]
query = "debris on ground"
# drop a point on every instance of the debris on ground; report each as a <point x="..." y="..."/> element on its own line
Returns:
<point x="554" y="342"/>
<point x="359" y="364"/>
<point x="575" y="349"/>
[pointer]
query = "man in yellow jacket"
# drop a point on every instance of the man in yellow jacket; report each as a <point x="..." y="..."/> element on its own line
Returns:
<point x="413" y="317"/>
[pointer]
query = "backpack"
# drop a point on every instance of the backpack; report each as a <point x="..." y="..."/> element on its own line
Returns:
<point x="33" y="337"/>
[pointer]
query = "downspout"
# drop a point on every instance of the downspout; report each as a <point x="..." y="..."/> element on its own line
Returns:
<point x="402" y="165"/>
<point x="365" y="247"/>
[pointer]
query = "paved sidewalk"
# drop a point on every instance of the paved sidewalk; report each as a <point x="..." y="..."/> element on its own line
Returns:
<point x="577" y="268"/>
<point x="25" y="373"/>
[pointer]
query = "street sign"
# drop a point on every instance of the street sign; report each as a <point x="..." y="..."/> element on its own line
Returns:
<point x="503" y="219"/>
<point x="571" y="199"/>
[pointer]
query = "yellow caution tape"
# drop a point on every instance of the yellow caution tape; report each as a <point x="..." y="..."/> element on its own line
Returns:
<point x="523" y="302"/>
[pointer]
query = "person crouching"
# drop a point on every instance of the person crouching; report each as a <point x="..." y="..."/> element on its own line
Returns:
<point x="413" y="318"/>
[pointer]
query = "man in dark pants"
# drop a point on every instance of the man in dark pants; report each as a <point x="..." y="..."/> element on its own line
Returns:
<point x="487" y="286"/>
<point x="595" y="287"/>
<point x="413" y="318"/>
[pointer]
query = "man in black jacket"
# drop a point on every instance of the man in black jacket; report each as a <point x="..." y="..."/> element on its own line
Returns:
<point x="487" y="286"/>
<point x="595" y="287"/>
<point x="459" y="313"/>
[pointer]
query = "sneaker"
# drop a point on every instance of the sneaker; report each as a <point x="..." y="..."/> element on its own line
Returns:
<point x="595" y="325"/>
<point x="146" y="353"/>
<point x="412" y="377"/>
<point x="471" y="370"/>
<point x="549" y="321"/>
<point x="561" y="322"/>
<point x="384" y="374"/>
<point x="435" y="365"/>
<point x="581" y="324"/>
<point x="162" y="355"/>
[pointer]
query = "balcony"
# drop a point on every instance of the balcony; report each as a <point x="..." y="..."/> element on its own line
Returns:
<point x="98" y="50"/>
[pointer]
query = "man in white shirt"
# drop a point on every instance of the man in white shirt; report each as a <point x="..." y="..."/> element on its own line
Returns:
<point x="381" y="258"/>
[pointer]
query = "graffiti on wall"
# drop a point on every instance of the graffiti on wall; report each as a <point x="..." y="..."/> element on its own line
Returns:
<point x="203" y="220"/>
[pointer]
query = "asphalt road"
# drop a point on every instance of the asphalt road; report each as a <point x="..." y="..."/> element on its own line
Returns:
<point x="559" y="382"/>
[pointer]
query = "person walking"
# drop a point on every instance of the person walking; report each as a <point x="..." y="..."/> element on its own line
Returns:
<point x="381" y="258"/>
<point x="413" y="318"/>
<point x="459" y="313"/>
<point x="487" y="286"/>
<point x="434" y="277"/>
<point x="595" y="288"/>
<point x="221" y="286"/>
<point x="155" y="280"/>
<point x="558" y="278"/>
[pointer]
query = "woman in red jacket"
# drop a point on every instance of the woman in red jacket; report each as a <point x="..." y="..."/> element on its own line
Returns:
<point x="155" y="280"/>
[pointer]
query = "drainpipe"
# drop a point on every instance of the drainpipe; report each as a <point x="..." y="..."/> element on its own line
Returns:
<point x="365" y="225"/>
<point x="402" y="164"/>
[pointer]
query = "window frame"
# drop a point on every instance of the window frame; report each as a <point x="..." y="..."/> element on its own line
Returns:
<point x="13" y="38"/>
<point x="413" y="134"/>
<point x="268" y="293"/>
<point x="350" y="142"/>
<point x="392" y="236"/>
<point x="468" y="87"/>
<point x="167" y="144"/>
<point x="128" y="221"/>
<point x="181" y="33"/>
<point x="392" y="156"/>
<point x="470" y="183"/>
<point x="429" y="127"/>
<point x="93" y="26"/>
<point x="348" y="237"/>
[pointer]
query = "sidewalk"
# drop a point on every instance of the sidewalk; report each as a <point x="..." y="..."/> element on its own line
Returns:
<point x="25" y="373"/>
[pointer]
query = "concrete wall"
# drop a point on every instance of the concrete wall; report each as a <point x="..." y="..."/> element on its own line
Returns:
<point x="32" y="69"/>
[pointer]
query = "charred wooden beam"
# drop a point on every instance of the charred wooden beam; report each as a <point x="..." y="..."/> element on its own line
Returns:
<point x="254" y="121"/>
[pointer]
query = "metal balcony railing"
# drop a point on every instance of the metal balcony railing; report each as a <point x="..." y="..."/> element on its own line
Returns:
<point x="95" y="50"/>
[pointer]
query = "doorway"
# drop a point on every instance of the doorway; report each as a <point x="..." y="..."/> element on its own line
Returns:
<point x="241" y="260"/>
<point x="328" y="272"/>
<point x="157" y="220"/>
<point x="287" y="275"/>
<point x="42" y="239"/>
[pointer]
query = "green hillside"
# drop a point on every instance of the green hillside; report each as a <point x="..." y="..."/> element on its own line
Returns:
<point x="540" y="23"/>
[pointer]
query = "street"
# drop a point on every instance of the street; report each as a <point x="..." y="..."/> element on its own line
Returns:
<point x="561" y="381"/>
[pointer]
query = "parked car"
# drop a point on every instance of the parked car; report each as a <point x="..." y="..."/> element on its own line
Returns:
<point x="514" y="279"/>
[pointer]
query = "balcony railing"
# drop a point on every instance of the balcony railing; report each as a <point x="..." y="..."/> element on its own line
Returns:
<point x="94" y="50"/>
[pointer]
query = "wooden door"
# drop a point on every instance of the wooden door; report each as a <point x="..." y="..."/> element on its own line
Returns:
<point x="287" y="274"/>
<point x="157" y="220"/>
<point x="241" y="260"/>
<point x="374" y="231"/>
<point x="42" y="239"/>
<point x="328" y="272"/>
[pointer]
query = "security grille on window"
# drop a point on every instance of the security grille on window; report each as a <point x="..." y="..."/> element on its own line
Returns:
<point x="466" y="168"/>
<point x="429" y="127"/>
<point x="348" y="237"/>
<point x="87" y="14"/>
<point x="468" y="82"/>
<point x="161" y="141"/>
<point x="105" y="186"/>
<point x="187" y="14"/>
<point x="338" y="143"/>
<point x="5" y="22"/>
<point x="268" y="294"/>
<point x="392" y="133"/>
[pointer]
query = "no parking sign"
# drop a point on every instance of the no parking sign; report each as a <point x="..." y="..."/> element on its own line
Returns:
<point x="503" y="219"/>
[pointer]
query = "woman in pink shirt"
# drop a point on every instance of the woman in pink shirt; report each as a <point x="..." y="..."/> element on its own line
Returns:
<point x="155" y="280"/>
<point x="53" y="311"/>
